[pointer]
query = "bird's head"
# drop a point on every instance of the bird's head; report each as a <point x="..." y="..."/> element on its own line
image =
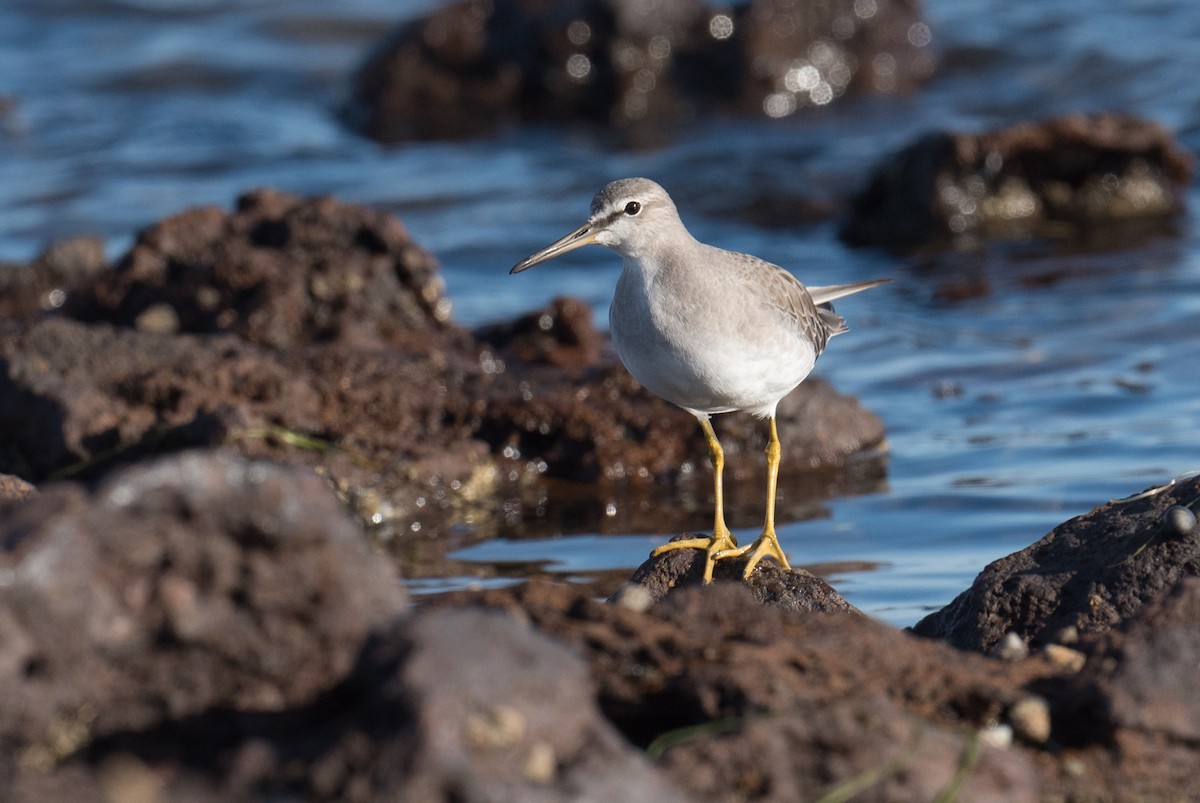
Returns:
<point x="629" y="216"/>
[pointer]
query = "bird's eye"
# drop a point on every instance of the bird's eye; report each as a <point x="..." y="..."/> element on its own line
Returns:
<point x="632" y="208"/>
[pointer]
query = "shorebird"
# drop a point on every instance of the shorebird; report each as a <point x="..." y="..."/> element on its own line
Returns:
<point x="709" y="330"/>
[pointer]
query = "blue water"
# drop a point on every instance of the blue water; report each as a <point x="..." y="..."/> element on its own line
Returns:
<point x="1073" y="381"/>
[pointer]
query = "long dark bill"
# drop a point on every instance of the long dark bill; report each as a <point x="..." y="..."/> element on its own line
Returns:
<point x="584" y="235"/>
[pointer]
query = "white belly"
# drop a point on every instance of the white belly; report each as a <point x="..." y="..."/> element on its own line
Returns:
<point x="706" y="355"/>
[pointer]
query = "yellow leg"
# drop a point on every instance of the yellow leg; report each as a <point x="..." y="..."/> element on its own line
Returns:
<point x="768" y="542"/>
<point x="722" y="541"/>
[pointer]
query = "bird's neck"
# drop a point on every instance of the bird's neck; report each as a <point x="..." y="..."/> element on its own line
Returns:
<point x="651" y="253"/>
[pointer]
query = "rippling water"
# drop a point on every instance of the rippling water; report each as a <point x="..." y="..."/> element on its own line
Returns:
<point x="1072" y="381"/>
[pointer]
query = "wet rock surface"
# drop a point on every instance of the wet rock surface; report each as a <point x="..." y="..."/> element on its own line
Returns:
<point x="1090" y="573"/>
<point x="1046" y="178"/>
<point x="316" y="333"/>
<point x="471" y="67"/>
<point x="791" y="589"/>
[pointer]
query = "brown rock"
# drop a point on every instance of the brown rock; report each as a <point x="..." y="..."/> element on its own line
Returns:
<point x="1030" y="178"/>
<point x="1092" y="573"/>
<point x="430" y="436"/>
<point x="791" y="589"/>
<point x="191" y="584"/>
<point x="472" y="67"/>
<point x="757" y="702"/>
<point x="200" y="686"/>
<point x="281" y="271"/>
<point x="1150" y="682"/>
<point x="77" y="398"/>
<point x="207" y="628"/>
<point x="43" y="284"/>
<point x="504" y="713"/>
<point x="868" y="744"/>
<point x="561" y="334"/>
<point x="745" y="701"/>
<point x="606" y="427"/>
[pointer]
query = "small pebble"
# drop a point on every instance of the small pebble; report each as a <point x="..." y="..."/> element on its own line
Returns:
<point x="541" y="764"/>
<point x="158" y="319"/>
<point x="1030" y="719"/>
<point x="499" y="727"/>
<point x="1065" y="657"/>
<point x="1066" y="635"/>
<point x="634" y="597"/>
<point x="1011" y="648"/>
<point x="1179" y="520"/>
<point x="998" y="735"/>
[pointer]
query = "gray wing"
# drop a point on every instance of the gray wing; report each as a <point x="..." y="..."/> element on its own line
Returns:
<point x="791" y="297"/>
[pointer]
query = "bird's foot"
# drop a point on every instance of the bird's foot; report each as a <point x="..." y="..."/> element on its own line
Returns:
<point x="766" y="544"/>
<point x="716" y="546"/>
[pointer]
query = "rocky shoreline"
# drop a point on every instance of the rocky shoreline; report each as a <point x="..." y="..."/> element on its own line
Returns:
<point x="208" y="627"/>
<point x="196" y="441"/>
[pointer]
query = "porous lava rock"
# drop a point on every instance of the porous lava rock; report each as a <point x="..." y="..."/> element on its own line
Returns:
<point x="1041" y="178"/>
<point x="281" y="271"/>
<point x="1093" y="573"/>
<point x="195" y="583"/>
<point x="209" y="628"/>
<point x="28" y="290"/>
<point x="793" y="589"/>
<point x="471" y="67"/>
<point x="205" y="627"/>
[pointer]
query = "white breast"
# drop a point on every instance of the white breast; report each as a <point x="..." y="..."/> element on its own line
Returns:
<point x="701" y="347"/>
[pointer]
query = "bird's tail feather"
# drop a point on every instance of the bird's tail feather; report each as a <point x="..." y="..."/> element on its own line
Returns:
<point x="823" y="295"/>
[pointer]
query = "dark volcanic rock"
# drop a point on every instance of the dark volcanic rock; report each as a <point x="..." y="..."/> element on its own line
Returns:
<point x="792" y="589"/>
<point x="473" y="66"/>
<point x="1154" y="686"/>
<point x="281" y="271"/>
<point x="817" y="750"/>
<point x="428" y="430"/>
<point x="196" y="583"/>
<point x="1150" y="679"/>
<point x="1093" y="573"/>
<point x="561" y="334"/>
<point x="798" y="54"/>
<point x="503" y="713"/>
<point x="72" y="395"/>
<point x="207" y="628"/>
<point x="785" y="706"/>
<point x="42" y="285"/>
<point x="1138" y="693"/>
<point x="753" y="702"/>
<point x="1032" y="177"/>
<point x="607" y="427"/>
